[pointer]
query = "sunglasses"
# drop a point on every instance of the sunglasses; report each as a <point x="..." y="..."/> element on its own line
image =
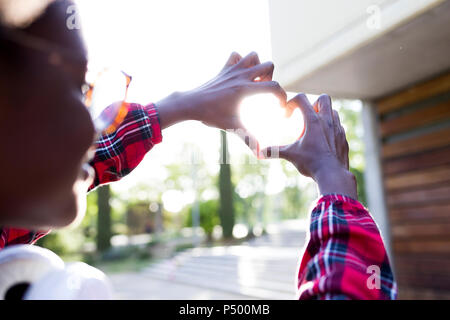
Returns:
<point x="104" y="92"/>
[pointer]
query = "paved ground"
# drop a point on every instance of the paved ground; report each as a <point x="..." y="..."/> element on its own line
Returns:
<point x="263" y="268"/>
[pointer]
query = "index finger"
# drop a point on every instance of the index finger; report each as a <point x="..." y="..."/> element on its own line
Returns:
<point x="248" y="138"/>
<point x="269" y="87"/>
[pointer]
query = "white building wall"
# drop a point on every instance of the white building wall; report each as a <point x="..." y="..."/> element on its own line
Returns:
<point x="309" y="34"/>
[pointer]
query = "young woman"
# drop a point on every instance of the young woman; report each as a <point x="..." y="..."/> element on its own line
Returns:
<point x="53" y="153"/>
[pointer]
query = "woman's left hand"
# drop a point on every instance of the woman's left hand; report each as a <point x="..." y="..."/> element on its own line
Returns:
<point x="220" y="97"/>
<point x="216" y="103"/>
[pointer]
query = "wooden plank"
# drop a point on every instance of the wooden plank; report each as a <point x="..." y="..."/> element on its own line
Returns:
<point x="438" y="264"/>
<point x="408" y="293"/>
<point x="417" y="161"/>
<point x="414" y="246"/>
<point x="416" y="119"/>
<point x="416" y="93"/>
<point x="418" y="144"/>
<point x="419" y="214"/>
<point x="423" y="271"/>
<point x="418" y="178"/>
<point x="437" y="282"/>
<point x="422" y="231"/>
<point x="427" y="196"/>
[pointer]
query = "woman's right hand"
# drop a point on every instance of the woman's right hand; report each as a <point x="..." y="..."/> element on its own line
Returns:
<point x="322" y="151"/>
<point x="216" y="103"/>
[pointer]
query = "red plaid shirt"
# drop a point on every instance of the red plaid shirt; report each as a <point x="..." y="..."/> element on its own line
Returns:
<point x="345" y="256"/>
<point x="344" y="245"/>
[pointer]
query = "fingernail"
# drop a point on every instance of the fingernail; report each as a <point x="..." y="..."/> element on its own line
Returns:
<point x="324" y="96"/>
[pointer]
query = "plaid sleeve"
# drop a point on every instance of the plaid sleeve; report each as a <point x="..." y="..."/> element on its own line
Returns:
<point x="345" y="256"/>
<point x="120" y="152"/>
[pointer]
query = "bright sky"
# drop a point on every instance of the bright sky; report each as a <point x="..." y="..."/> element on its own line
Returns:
<point x="172" y="46"/>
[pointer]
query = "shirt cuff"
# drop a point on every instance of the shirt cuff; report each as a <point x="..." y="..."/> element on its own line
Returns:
<point x="335" y="197"/>
<point x="348" y="204"/>
<point x="152" y="112"/>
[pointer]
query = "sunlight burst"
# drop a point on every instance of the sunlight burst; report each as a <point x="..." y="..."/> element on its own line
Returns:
<point x="263" y="116"/>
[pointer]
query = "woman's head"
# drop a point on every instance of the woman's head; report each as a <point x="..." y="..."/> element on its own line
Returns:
<point x="46" y="130"/>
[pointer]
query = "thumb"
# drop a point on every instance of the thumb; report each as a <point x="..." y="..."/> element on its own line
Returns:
<point x="275" y="152"/>
<point x="248" y="138"/>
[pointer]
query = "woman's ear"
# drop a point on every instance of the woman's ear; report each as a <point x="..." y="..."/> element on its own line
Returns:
<point x="21" y="13"/>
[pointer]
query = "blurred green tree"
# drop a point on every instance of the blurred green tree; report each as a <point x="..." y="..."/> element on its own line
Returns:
<point x="209" y="217"/>
<point x="250" y="179"/>
<point x="350" y="114"/>
<point x="104" y="218"/>
<point x="226" y="189"/>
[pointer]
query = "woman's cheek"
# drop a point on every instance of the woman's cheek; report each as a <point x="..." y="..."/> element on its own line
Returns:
<point x="80" y="192"/>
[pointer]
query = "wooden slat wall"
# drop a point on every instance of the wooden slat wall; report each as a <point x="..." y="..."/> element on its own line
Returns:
<point x="415" y="135"/>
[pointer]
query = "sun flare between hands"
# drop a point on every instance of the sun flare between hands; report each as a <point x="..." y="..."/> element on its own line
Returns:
<point x="263" y="117"/>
